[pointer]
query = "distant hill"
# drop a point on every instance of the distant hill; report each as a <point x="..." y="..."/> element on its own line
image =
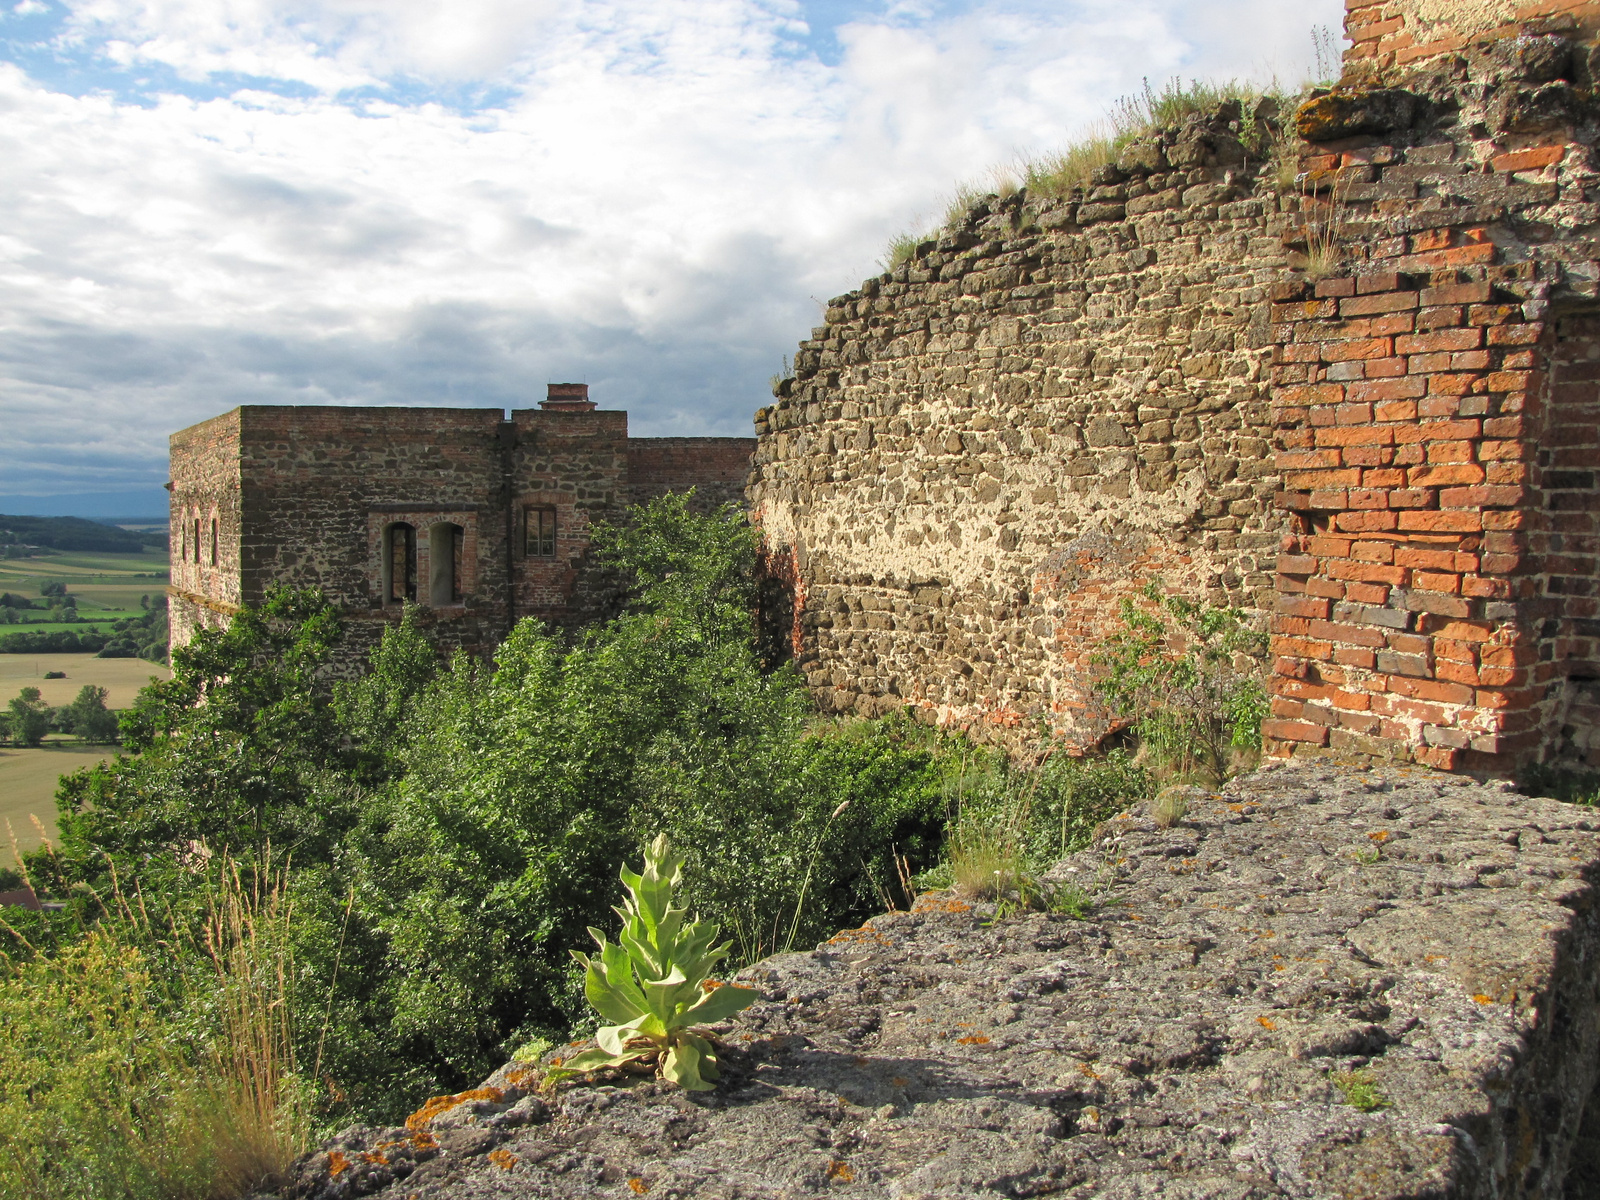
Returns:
<point x="75" y="533"/>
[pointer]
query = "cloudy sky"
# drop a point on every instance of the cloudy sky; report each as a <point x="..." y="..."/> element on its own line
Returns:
<point x="207" y="203"/>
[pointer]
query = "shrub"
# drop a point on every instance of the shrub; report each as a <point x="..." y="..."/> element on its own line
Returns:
<point x="1189" y="679"/>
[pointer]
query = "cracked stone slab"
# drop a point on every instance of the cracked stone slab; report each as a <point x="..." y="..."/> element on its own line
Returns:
<point x="1193" y="1037"/>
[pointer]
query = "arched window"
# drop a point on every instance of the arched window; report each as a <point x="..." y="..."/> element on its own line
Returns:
<point x="197" y="539"/>
<point x="399" y="563"/>
<point x="213" y="541"/>
<point x="444" y="564"/>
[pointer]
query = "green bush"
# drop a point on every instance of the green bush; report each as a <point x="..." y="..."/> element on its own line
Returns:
<point x="1190" y="681"/>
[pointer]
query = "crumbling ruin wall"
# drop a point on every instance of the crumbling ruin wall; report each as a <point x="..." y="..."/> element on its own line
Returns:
<point x="985" y="448"/>
<point x="1436" y="400"/>
<point x="1382" y="348"/>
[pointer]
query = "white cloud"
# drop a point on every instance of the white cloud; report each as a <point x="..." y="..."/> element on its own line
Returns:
<point x="654" y="200"/>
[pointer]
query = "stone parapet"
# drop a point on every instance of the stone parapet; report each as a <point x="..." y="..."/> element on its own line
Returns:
<point x="1326" y="982"/>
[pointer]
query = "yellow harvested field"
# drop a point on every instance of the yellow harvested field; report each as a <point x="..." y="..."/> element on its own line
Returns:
<point x="28" y="780"/>
<point x="121" y="677"/>
<point x="28" y="777"/>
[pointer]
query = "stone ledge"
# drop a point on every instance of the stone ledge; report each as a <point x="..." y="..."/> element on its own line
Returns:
<point x="1189" y="1039"/>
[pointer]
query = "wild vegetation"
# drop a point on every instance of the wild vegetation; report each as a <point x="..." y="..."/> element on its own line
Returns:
<point x="363" y="893"/>
<point x="1056" y="174"/>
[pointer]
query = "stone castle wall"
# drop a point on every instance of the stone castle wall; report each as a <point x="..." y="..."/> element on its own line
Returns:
<point x="1371" y="355"/>
<point x="308" y="495"/>
<point x="985" y="448"/>
<point x="205" y="487"/>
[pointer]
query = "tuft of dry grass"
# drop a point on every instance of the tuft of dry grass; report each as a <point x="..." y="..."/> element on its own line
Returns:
<point x="1054" y="175"/>
<point x="1325" y="219"/>
<point x="148" y="1060"/>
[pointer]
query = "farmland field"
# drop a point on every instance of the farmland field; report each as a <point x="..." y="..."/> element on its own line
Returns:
<point x="28" y="775"/>
<point x="108" y="586"/>
<point x="28" y="778"/>
<point x="121" y="677"/>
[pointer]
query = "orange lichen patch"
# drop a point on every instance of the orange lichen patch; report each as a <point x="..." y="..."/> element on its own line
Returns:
<point x="1379" y="835"/>
<point x="937" y="902"/>
<point x="899" y="1081"/>
<point x="503" y="1159"/>
<point x="518" y="1078"/>
<point x="1266" y="1022"/>
<point x="376" y="1157"/>
<point x="974" y="1039"/>
<point x="443" y="1104"/>
<point x="425" y="1141"/>
<point x="711" y="985"/>
<point x="1482" y="999"/>
<point x="638" y="1186"/>
<point x="840" y="1171"/>
<point x="338" y="1164"/>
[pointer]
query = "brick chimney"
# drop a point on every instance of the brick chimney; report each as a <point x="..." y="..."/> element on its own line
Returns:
<point x="568" y="397"/>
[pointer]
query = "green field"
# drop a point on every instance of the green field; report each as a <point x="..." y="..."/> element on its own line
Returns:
<point x="108" y="586"/>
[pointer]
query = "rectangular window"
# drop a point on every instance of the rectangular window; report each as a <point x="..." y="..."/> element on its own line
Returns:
<point x="213" y="541"/>
<point x="197" y="539"/>
<point x="541" y="533"/>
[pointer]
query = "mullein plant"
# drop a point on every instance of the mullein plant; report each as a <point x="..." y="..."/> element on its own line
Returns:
<point x="654" y="981"/>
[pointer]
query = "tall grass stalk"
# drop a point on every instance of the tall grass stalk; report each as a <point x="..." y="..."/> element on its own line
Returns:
<point x="146" y="1059"/>
<point x="800" y="904"/>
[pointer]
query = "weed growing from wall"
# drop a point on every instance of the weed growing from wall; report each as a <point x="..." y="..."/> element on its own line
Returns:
<point x="1189" y="680"/>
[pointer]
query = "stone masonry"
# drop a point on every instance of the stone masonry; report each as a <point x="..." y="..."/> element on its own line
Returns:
<point x="1325" y="982"/>
<point x="1336" y="367"/>
<point x="479" y="517"/>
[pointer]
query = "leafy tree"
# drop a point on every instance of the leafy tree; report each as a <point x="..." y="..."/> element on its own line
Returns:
<point x="29" y="719"/>
<point x="235" y="749"/>
<point x="89" y="718"/>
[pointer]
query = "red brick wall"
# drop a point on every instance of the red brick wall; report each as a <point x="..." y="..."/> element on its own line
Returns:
<point x="1388" y="34"/>
<point x="1566" y="546"/>
<point x="1404" y="408"/>
<point x="1435" y="408"/>
<point x="717" y="468"/>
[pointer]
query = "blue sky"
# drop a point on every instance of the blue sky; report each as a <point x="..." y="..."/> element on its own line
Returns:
<point x="216" y="202"/>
